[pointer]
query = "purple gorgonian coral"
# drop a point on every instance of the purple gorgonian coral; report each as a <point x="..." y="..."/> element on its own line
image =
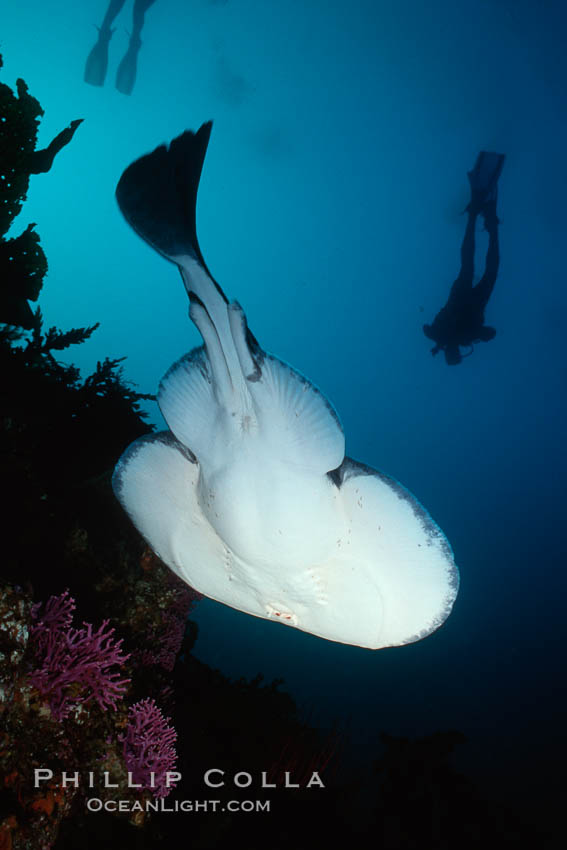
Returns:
<point x="166" y="638"/>
<point x="149" y="751"/>
<point x="75" y="666"/>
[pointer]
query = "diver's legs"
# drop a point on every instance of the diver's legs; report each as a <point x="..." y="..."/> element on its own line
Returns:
<point x="126" y="74"/>
<point x="97" y="60"/>
<point x="114" y="8"/>
<point x="483" y="289"/>
<point x="465" y="279"/>
<point x="467" y="249"/>
<point x="140" y="9"/>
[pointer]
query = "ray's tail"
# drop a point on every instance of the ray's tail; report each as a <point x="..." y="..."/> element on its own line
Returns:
<point x="157" y="195"/>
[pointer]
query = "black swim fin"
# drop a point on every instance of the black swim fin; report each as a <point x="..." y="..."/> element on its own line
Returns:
<point x="127" y="70"/>
<point x="483" y="180"/>
<point x="97" y="60"/>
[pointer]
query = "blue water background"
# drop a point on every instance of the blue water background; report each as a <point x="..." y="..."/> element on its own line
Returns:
<point x="330" y="207"/>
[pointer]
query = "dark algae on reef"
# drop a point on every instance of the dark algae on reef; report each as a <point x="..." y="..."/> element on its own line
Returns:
<point x="96" y="669"/>
<point x="96" y="673"/>
<point x="23" y="264"/>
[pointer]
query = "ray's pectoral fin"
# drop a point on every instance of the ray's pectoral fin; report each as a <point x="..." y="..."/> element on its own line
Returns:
<point x="393" y="575"/>
<point x="156" y="482"/>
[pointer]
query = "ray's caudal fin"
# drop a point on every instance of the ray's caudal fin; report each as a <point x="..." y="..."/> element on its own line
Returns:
<point x="157" y="194"/>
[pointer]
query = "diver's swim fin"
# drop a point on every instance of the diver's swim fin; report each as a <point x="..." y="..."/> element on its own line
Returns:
<point x="126" y="74"/>
<point x="97" y="60"/>
<point x="484" y="179"/>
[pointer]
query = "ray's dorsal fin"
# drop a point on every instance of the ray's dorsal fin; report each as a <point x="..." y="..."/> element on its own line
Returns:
<point x="157" y="195"/>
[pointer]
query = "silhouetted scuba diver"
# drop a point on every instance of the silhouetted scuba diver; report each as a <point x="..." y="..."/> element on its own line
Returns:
<point x="97" y="61"/>
<point x="461" y="321"/>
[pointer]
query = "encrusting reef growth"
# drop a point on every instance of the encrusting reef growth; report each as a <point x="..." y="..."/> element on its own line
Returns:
<point x="96" y="670"/>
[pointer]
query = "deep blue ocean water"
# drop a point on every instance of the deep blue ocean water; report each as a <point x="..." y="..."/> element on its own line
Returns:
<point x="331" y="208"/>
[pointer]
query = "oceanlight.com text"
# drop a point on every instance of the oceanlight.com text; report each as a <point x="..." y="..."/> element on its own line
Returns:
<point x="95" y="804"/>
